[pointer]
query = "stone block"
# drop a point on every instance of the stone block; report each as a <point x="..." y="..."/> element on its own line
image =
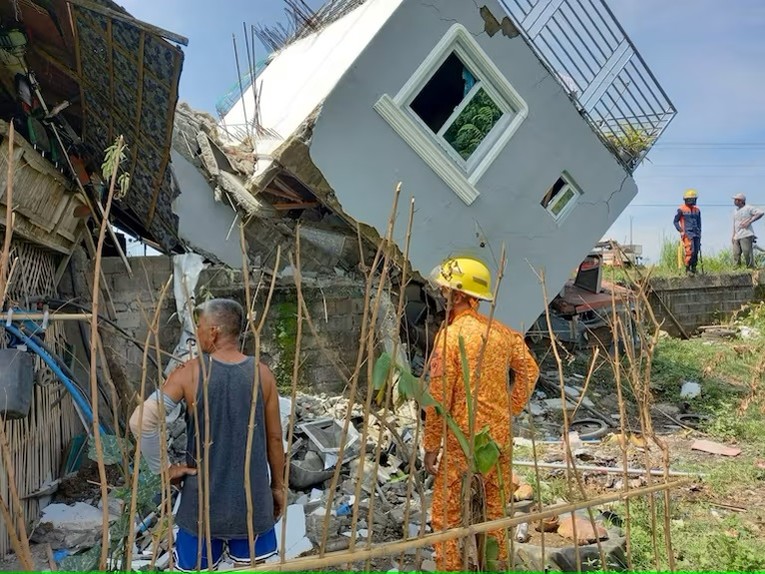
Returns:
<point x="530" y="557"/>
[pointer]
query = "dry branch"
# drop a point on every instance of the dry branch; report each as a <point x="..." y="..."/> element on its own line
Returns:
<point x="93" y="359"/>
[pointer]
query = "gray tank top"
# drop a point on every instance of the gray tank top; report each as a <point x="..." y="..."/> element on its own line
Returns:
<point x="229" y="396"/>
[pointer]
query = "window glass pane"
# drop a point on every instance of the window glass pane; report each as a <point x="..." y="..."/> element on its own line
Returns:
<point x="473" y="124"/>
<point x="443" y="93"/>
<point x="562" y="202"/>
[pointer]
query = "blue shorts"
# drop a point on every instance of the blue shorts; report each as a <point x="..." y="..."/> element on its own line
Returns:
<point x="237" y="550"/>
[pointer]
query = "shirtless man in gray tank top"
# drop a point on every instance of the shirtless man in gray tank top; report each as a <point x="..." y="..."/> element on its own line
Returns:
<point x="229" y="377"/>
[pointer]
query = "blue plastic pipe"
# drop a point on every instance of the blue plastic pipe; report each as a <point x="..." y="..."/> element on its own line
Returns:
<point x="73" y="390"/>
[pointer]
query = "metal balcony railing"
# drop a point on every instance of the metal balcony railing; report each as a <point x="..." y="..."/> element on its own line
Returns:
<point x="585" y="46"/>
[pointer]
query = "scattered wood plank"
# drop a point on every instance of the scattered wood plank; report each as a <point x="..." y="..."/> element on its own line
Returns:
<point x="712" y="447"/>
<point x="730" y="507"/>
<point x="289" y="206"/>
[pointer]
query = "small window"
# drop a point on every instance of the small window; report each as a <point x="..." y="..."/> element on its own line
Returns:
<point x="560" y="198"/>
<point x="456" y="107"/>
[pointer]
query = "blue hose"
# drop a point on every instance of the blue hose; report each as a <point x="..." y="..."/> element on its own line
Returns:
<point x="53" y="365"/>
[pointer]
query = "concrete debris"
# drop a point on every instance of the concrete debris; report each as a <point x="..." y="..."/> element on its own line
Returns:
<point x="536" y="409"/>
<point x="690" y="390"/>
<point x="318" y="431"/>
<point x="64" y="526"/>
<point x="524" y="492"/>
<point x="748" y="332"/>
<point x="116" y="507"/>
<point x="522" y="533"/>
<point x="296" y="542"/>
<point x="585" y="534"/>
<point x="327" y="434"/>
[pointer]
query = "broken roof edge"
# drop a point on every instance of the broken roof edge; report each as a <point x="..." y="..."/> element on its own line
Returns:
<point x="294" y="157"/>
<point x="299" y="77"/>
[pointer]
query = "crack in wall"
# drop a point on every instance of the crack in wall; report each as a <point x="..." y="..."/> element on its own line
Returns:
<point x="607" y="200"/>
<point x="438" y="11"/>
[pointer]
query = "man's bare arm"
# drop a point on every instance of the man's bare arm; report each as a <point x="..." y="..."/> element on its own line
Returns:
<point x="145" y="422"/>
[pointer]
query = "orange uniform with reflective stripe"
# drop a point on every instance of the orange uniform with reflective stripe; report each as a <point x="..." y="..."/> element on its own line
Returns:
<point x="505" y="351"/>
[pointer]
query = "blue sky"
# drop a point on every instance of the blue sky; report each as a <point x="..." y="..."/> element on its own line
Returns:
<point x="707" y="54"/>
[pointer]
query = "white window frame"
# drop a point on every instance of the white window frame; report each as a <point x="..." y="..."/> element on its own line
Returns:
<point x="568" y="184"/>
<point x="460" y="175"/>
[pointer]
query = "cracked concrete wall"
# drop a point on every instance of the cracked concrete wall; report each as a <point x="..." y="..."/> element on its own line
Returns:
<point x="205" y="224"/>
<point x="362" y="158"/>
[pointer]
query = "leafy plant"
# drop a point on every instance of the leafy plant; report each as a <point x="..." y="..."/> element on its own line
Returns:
<point x="149" y="484"/>
<point x="481" y="450"/>
<point x="115" y="155"/>
<point x="112" y="447"/>
<point x="85" y="562"/>
<point x="630" y="141"/>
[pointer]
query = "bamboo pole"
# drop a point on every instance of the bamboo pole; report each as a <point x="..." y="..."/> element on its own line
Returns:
<point x="367" y="343"/>
<point x="16" y="524"/>
<point x="606" y="469"/>
<point x="389" y="386"/>
<point x="17" y="527"/>
<point x="354" y="379"/>
<point x="16" y="543"/>
<point x="298" y="277"/>
<point x="312" y="563"/>
<point x="566" y="423"/>
<point x="137" y="454"/>
<point x="51" y="316"/>
<point x="93" y="354"/>
<point x="8" y="217"/>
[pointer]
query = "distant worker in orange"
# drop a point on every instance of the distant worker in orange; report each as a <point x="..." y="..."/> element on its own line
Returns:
<point x="508" y="374"/>
<point x="688" y="224"/>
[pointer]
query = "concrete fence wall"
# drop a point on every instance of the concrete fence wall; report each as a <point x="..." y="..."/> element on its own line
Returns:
<point x="704" y="299"/>
<point x="335" y="306"/>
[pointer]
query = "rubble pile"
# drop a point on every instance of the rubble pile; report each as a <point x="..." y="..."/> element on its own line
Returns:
<point x="379" y="504"/>
<point x="316" y="442"/>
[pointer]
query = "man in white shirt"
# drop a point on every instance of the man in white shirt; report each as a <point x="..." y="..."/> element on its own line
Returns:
<point x="743" y="236"/>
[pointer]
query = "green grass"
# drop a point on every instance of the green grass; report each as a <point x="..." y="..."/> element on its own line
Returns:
<point x="702" y="538"/>
<point x="706" y="537"/>
<point x="711" y="262"/>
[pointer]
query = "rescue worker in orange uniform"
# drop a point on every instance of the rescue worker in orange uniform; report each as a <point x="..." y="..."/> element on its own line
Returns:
<point x="508" y="374"/>
<point x="688" y="224"/>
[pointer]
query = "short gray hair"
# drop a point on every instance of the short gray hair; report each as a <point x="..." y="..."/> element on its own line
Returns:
<point x="226" y="314"/>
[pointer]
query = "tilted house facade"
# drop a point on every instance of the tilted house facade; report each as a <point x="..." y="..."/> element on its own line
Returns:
<point x="483" y="111"/>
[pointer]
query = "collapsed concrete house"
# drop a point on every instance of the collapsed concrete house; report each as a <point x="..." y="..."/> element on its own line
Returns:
<point x="500" y="138"/>
<point x="515" y="124"/>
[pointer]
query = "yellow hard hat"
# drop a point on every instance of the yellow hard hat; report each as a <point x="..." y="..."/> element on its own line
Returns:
<point x="690" y="194"/>
<point x="467" y="275"/>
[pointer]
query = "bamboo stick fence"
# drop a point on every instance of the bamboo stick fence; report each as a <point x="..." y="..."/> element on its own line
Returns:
<point x="36" y="443"/>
